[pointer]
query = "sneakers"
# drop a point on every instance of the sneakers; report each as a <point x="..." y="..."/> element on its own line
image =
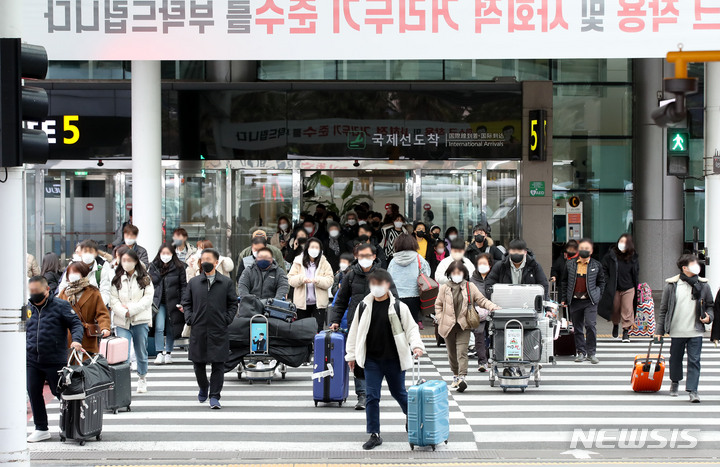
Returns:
<point x="580" y="358"/>
<point x="38" y="435"/>
<point x="462" y="385"/>
<point x="374" y="441"/>
<point x="694" y="398"/>
<point x="616" y="329"/>
<point x="593" y="359"/>
<point x="626" y="335"/>
<point x="215" y="404"/>
<point x="142" y="385"/>
<point x="455" y="382"/>
<point x="168" y="359"/>
<point x="202" y="395"/>
<point x="674" y="389"/>
<point x="360" y="405"/>
<point x="160" y="359"/>
<point x="482" y="368"/>
<point x="133" y="366"/>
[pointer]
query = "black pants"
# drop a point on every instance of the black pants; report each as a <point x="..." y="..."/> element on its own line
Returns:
<point x="584" y="318"/>
<point x="414" y="304"/>
<point x="312" y="311"/>
<point x="217" y="377"/>
<point x="37" y="374"/>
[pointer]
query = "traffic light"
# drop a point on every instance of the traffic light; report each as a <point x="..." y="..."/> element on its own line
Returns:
<point x="678" y="152"/>
<point x="675" y="112"/>
<point x="20" y="103"/>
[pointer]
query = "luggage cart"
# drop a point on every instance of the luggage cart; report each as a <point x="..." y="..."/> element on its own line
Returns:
<point x="259" y="365"/>
<point x="509" y="366"/>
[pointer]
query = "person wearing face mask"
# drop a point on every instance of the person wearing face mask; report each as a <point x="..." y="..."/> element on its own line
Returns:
<point x="457" y="253"/>
<point x="451" y="234"/>
<point x="194" y="264"/>
<point x="350" y="228"/>
<point x="335" y="245"/>
<point x="456" y="298"/>
<point x="621" y="266"/>
<point x="183" y="249"/>
<point x="256" y="245"/>
<point x="209" y="305"/>
<point x="383" y="339"/>
<point x="87" y="302"/>
<point x="281" y="238"/>
<point x="482" y="243"/>
<point x="354" y="288"/>
<point x="89" y="255"/>
<point x="130" y="234"/>
<point x="519" y="267"/>
<point x="131" y="299"/>
<point x="345" y="260"/>
<point x="581" y="287"/>
<point x="435" y="232"/>
<point x="437" y="254"/>
<point x="365" y="235"/>
<point x="687" y="306"/>
<point x="46" y="340"/>
<point x="390" y="234"/>
<point x="405" y="269"/>
<point x="313" y="229"/>
<point x="169" y="281"/>
<point x="256" y="232"/>
<point x="421" y="236"/>
<point x="264" y="279"/>
<point x="311" y="277"/>
<point x="297" y="245"/>
<point x="119" y="234"/>
<point x="480" y="273"/>
<point x="558" y="267"/>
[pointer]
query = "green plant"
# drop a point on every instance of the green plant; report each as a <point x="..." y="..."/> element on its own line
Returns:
<point x="347" y="199"/>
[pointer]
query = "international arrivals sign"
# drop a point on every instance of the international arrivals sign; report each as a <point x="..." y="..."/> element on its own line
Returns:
<point x="367" y="29"/>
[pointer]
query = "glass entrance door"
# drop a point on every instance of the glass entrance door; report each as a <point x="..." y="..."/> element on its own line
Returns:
<point x="451" y="199"/>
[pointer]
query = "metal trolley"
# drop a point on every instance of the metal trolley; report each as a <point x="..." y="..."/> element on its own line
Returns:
<point x="260" y="366"/>
<point x="509" y="366"/>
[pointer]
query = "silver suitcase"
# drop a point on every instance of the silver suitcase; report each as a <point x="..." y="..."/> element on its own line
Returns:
<point x="548" y="328"/>
<point x="516" y="296"/>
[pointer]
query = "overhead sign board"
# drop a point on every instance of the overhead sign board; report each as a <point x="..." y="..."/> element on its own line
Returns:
<point x="366" y="29"/>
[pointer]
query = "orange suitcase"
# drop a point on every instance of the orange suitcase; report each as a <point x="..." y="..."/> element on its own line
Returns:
<point x="648" y="371"/>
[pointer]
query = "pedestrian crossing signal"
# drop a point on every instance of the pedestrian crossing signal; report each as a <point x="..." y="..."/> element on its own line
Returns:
<point x="678" y="142"/>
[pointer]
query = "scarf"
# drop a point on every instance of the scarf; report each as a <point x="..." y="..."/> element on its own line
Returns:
<point x="457" y="295"/>
<point x="75" y="289"/>
<point x="440" y="256"/>
<point x="334" y="246"/>
<point x="694" y="282"/>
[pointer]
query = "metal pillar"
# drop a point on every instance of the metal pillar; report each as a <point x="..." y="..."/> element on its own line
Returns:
<point x="712" y="181"/>
<point x="147" y="154"/>
<point x="13" y="421"/>
<point x="658" y="206"/>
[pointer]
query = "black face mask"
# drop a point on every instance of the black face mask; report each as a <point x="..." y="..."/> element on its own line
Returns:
<point x="584" y="253"/>
<point x="376" y="224"/>
<point x="479" y="238"/>
<point x="37" y="297"/>
<point x="207" y="267"/>
<point x="436" y="236"/>
<point x="420" y="234"/>
<point x="517" y="258"/>
<point x="363" y="238"/>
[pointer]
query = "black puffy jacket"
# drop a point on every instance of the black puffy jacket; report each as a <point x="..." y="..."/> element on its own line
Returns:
<point x="353" y="289"/>
<point x="532" y="273"/>
<point x="595" y="281"/>
<point x="173" y="282"/>
<point x="46" y="340"/>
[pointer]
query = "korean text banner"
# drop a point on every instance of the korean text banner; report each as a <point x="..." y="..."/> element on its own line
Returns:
<point x="367" y="29"/>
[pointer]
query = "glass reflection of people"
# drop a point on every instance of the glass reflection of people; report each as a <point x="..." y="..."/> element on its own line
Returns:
<point x="509" y="134"/>
<point x="481" y="131"/>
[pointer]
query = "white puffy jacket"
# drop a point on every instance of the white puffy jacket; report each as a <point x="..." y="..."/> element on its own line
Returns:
<point x="133" y="299"/>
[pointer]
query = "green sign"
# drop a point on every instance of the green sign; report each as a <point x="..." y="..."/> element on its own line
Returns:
<point x="356" y="140"/>
<point x="678" y="140"/>
<point x="81" y="174"/>
<point x="537" y="189"/>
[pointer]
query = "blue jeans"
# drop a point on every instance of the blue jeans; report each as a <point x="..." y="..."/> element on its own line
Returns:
<point x="160" y="319"/>
<point x="677" y="353"/>
<point x="375" y="371"/>
<point x="138" y="336"/>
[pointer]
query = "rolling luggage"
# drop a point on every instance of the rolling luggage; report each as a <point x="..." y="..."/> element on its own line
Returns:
<point x="114" y="349"/>
<point x="516" y="296"/>
<point x="331" y="375"/>
<point x="527" y="316"/>
<point x="532" y="345"/>
<point x="565" y="342"/>
<point x="648" y="376"/>
<point x="279" y="309"/>
<point x="119" y="396"/>
<point x="549" y="329"/>
<point x="428" y="411"/>
<point x="81" y="419"/>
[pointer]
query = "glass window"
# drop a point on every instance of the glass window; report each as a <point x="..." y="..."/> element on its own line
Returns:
<point x="584" y="110"/>
<point x="605" y="215"/>
<point x="30" y="196"/>
<point x="68" y="70"/>
<point x="694" y="214"/>
<point x="592" y="70"/>
<point x="391" y="70"/>
<point x="297" y="69"/>
<point x="502" y="205"/>
<point x="450" y="200"/>
<point x="486" y="70"/>
<point x="592" y="164"/>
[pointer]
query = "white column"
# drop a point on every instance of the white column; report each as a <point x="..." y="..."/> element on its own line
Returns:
<point x="13" y="421"/>
<point x="712" y="182"/>
<point x="147" y="154"/>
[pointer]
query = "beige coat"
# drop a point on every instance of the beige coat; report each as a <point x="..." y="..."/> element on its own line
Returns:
<point x="324" y="277"/>
<point x="445" y="311"/>
<point x="32" y="268"/>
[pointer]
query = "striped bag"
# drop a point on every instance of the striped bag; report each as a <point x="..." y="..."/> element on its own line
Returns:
<point x="645" y="313"/>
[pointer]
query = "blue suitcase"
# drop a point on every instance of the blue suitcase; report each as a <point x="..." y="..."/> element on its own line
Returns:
<point x="280" y="309"/>
<point x="331" y="375"/>
<point x="428" y="413"/>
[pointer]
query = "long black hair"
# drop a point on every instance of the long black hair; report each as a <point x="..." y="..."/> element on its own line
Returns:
<point x="142" y="276"/>
<point x="306" y="259"/>
<point x="164" y="267"/>
<point x="50" y="263"/>
<point x="629" y="252"/>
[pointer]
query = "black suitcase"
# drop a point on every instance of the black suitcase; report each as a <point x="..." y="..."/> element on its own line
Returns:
<point x="120" y="395"/>
<point x="82" y="419"/>
<point x="279" y="309"/>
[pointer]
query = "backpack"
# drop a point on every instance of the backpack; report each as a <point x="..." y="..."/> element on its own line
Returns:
<point x="98" y="274"/>
<point x="428" y="288"/>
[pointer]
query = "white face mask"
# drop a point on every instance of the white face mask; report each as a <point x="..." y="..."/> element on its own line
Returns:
<point x="440" y="251"/>
<point x="309" y="230"/>
<point x="129" y="265"/>
<point x="283" y="227"/>
<point x="254" y="254"/>
<point x="352" y="222"/>
<point x="362" y="222"/>
<point x="130" y="241"/>
<point x="334" y="233"/>
<point x="457" y="278"/>
<point x="378" y="291"/>
<point x="398" y="225"/>
<point x="452" y="237"/>
<point x="343" y="266"/>
<point x="457" y="256"/>
<point x="483" y="269"/>
<point x="314" y="252"/>
<point x="88" y="258"/>
<point x="77" y="258"/>
<point x="694" y="268"/>
<point x="165" y="258"/>
<point x="74" y="277"/>
<point x="365" y="262"/>
<point x="621" y="246"/>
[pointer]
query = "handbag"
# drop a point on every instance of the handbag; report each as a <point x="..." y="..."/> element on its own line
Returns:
<point x="186" y="331"/>
<point x="91" y="330"/>
<point x="85" y="378"/>
<point x="473" y="318"/>
<point x="428" y="288"/>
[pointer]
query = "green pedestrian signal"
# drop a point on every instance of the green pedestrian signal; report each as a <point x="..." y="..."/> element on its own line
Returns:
<point x="678" y="142"/>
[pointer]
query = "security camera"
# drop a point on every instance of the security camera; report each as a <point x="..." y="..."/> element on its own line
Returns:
<point x="676" y="111"/>
<point x="100" y="163"/>
<point x="356" y="164"/>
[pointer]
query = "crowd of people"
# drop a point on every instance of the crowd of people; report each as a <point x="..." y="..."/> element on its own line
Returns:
<point x="359" y="273"/>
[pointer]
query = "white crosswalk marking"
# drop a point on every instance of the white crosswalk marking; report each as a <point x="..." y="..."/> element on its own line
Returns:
<point x="282" y="416"/>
